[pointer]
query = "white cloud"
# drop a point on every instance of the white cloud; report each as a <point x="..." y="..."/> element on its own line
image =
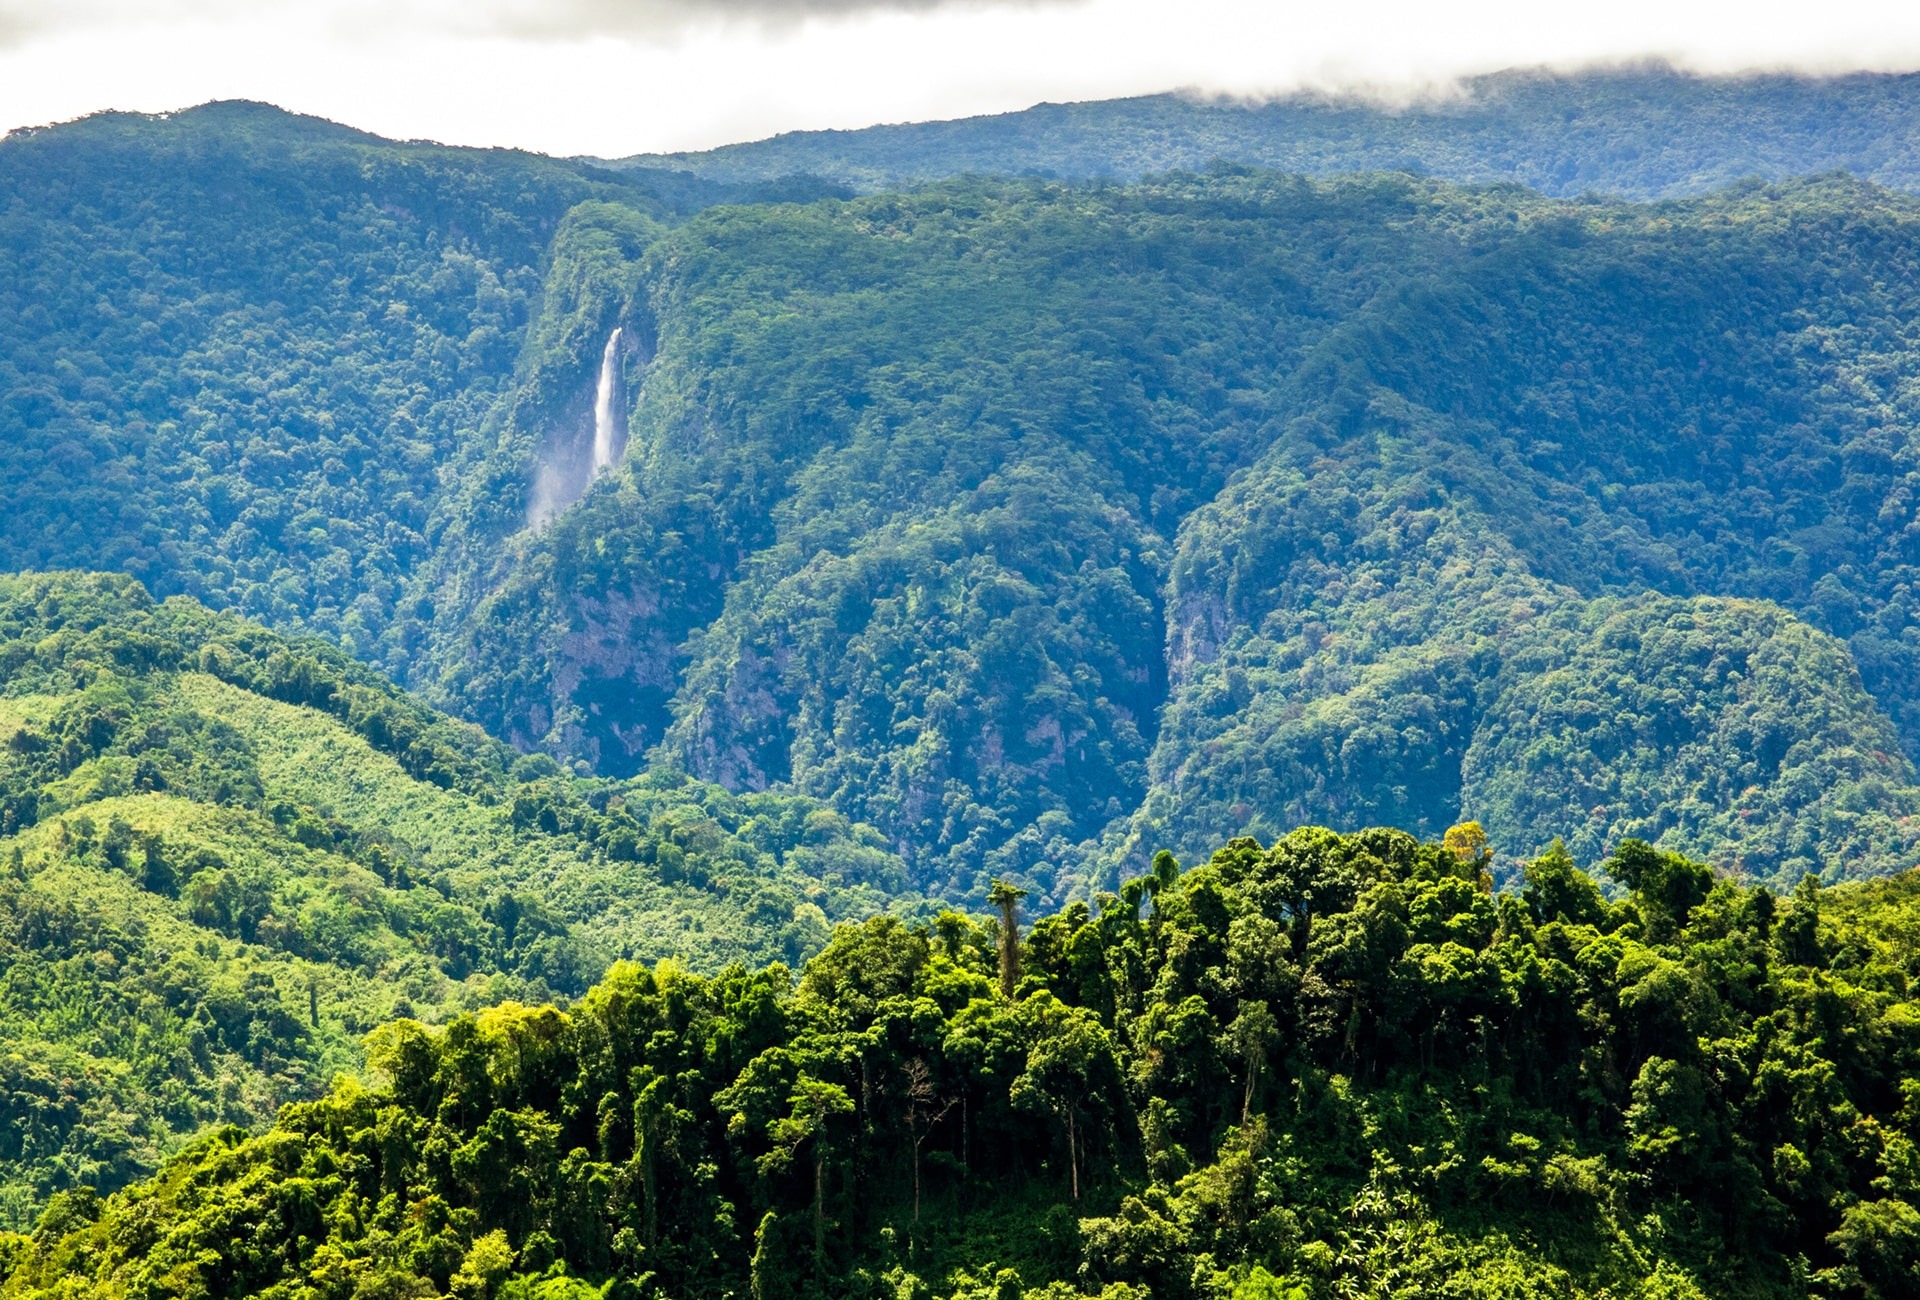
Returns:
<point x="616" y="77"/>
<point x="653" y="20"/>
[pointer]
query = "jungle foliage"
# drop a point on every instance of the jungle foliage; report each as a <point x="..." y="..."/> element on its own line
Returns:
<point x="1336" y="1066"/>
<point x="996" y="540"/>
<point x="239" y="349"/>
<point x="1035" y="525"/>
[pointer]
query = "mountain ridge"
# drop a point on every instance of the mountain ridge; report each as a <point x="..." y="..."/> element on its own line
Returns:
<point x="1134" y="440"/>
<point x="1640" y="130"/>
<point x="1386" y="549"/>
<point x="916" y="482"/>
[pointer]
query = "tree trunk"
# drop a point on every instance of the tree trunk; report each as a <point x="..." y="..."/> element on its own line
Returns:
<point x="820" y="1212"/>
<point x="1073" y="1154"/>
<point x="648" y="1186"/>
<point x="757" y="1267"/>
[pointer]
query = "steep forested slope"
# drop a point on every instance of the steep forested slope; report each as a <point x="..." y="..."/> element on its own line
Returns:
<point x="1644" y="132"/>
<point x="225" y="856"/>
<point x="1036" y="525"/>
<point x="1041" y="524"/>
<point x="1337" y="1066"/>
<point x="240" y="350"/>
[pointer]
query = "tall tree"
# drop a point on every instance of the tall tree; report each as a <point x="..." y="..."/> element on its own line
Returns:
<point x="1007" y="898"/>
<point x="815" y="1103"/>
<point x="1250" y="1037"/>
<point x="1066" y="1049"/>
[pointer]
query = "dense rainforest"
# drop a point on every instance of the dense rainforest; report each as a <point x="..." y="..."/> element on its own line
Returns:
<point x="1044" y="526"/>
<point x="1036" y="525"/>
<point x="1339" y="1065"/>
<point x="241" y="349"/>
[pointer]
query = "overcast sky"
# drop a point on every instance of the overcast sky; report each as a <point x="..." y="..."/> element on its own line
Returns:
<point x="615" y="77"/>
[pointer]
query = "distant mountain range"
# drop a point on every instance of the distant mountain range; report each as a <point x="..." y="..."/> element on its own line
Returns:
<point x="1641" y="131"/>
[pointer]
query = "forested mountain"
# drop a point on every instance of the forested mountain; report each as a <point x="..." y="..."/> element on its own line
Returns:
<point x="242" y="351"/>
<point x="768" y="562"/>
<point x="1041" y="525"/>
<point x="1037" y="525"/>
<point x="225" y="856"/>
<point x="1337" y="1066"/>
<point x="1644" y="131"/>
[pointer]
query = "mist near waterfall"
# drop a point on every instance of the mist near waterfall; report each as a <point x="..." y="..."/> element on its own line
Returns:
<point x="578" y="453"/>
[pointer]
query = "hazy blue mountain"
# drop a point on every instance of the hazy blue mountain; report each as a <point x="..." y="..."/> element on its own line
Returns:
<point x="1643" y="132"/>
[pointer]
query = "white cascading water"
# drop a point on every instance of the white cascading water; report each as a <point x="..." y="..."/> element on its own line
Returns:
<point x="606" y="408"/>
<point x="568" y="463"/>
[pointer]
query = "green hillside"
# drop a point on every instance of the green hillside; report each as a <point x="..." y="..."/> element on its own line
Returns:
<point x="227" y="856"/>
<point x="676" y="585"/>
<point x="1644" y="131"/>
<point x="1035" y="525"/>
<point x="1335" y="1066"/>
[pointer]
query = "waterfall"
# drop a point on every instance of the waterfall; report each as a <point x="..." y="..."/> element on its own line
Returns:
<point x="609" y="409"/>
<point x="569" y="459"/>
